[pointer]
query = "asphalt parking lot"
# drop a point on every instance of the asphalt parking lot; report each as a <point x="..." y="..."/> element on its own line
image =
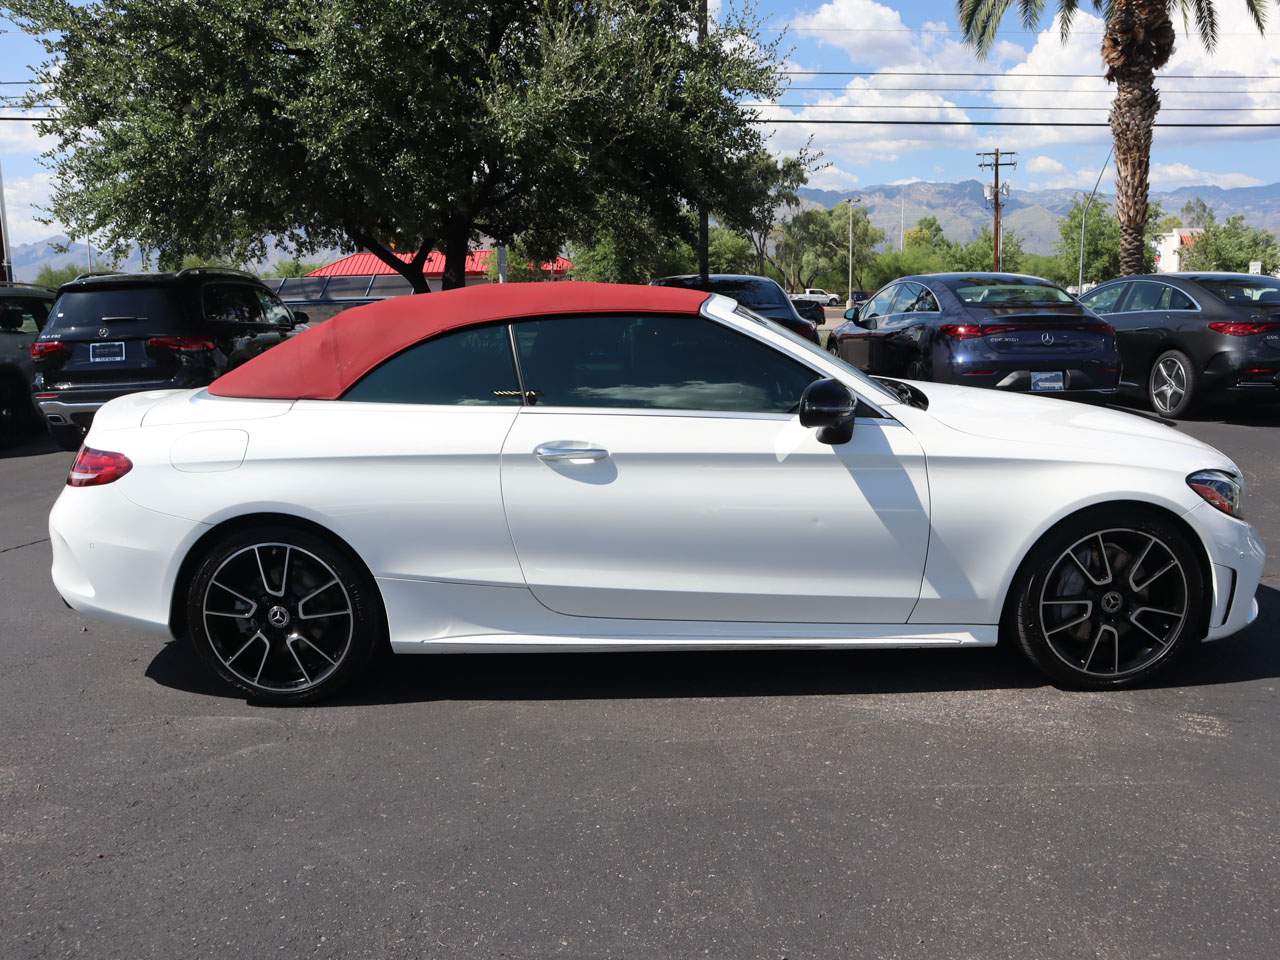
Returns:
<point x="755" y="805"/>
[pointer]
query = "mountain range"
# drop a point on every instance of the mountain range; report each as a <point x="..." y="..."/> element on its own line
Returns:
<point x="1033" y="215"/>
<point x="960" y="207"/>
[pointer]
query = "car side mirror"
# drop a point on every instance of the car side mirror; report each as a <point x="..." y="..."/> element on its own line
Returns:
<point x="300" y="317"/>
<point x="851" y="314"/>
<point x="829" y="406"/>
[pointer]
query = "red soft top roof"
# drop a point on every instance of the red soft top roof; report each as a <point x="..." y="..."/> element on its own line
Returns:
<point x="323" y="362"/>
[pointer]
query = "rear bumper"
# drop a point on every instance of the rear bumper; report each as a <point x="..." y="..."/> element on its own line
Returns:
<point x="77" y="405"/>
<point x="1092" y="379"/>
<point x="114" y="560"/>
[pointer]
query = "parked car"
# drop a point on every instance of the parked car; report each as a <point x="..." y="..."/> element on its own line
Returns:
<point x="810" y="310"/>
<point x="758" y="294"/>
<point x="1001" y="330"/>
<point x="23" y="310"/>
<point x="1186" y="336"/>
<point x="114" y="334"/>
<point x="568" y="466"/>
<point x="818" y="296"/>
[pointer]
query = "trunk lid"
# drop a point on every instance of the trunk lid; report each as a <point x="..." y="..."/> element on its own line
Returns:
<point x="1045" y="331"/>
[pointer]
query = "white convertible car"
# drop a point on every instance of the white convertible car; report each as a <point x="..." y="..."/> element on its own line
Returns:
<point x="565" y="466"/>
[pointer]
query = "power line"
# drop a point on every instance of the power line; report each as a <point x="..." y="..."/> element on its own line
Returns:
<point x="978" y="106"/>
<point x="996" y="123"/>
<point x="1074" y="90"/>
<point x="997" y="73"/>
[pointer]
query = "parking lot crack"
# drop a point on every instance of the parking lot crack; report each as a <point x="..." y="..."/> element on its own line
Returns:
<point x="19" y="546"/>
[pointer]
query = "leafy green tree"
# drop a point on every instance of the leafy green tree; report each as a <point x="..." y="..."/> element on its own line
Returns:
<point x="892" y="264"/>
<point x="1049" y="267"/>
<point x="774" y="186"/>
<point x="1197" y="214"/>
<point x="1232" y="245"/>
<point x="54" y="277"/>
<point x="201" y="129"/>
<point x="926" y="233"/>
<point x="290" y="268"/>
<point x="1102" y="242"/>
<point x="977" y="253"/>
<point x="1138" y="40"/>
<point x="730" y="252"/>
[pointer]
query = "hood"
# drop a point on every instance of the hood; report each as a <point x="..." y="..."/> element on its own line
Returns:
<point x="1100" y="433"/>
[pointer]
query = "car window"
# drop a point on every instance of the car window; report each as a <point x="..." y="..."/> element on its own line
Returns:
<point x="656" y="363"/>
<point x="904" y="297"/>
<point x="754" y="292"/>
<point x="1177" y="300"/>
<point x="232" y="303"/>
<point x="273" y="311"/>
<point x="1104" y="299"/>
<point x="882" y="302"/>
<point x="1147" y="296"/>
<point x="471" y="367"/>
<point x="1246" y="290"/>
<point x="23" y="315"/>
<point x="983" y="291"/>
<point x="923" y="300"/>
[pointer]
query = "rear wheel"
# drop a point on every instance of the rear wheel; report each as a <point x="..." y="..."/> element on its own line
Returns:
<point x="1108" y="599"/>
<point x="282" y="614"/>
<point x="1172" y="384"/>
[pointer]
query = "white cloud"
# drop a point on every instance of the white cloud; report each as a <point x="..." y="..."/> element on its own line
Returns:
<point x="832" y="177"/>
<point x="19" y="137"/>
<point x="1044" y="165"/>
<point x="23" y="198"/>
<point x="1166" y="176"/>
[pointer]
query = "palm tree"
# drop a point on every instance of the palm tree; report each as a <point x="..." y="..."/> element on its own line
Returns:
<point x="1138" y="41"/>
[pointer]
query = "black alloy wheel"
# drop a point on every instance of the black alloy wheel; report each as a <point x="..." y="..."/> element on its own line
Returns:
<point x="1107" y="602"/>
<point x="282" y="614"/>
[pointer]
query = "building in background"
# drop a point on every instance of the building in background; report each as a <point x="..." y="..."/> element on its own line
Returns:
<point x="363" y="278"/>
<point x="1171" y="248"/>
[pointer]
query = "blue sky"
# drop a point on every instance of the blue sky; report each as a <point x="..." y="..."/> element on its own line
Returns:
<point x="917" y="36"/>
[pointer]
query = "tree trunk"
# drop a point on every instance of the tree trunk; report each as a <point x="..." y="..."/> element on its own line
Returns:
<point x="411" y="270"/>
<point x="457" y="244"/>
<point x="1132" y="117"/>
<point x="1138" y="41"/>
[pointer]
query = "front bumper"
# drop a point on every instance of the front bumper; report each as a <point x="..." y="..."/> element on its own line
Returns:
<point x="115" y="560"/>
<point x="1237" y="559"/>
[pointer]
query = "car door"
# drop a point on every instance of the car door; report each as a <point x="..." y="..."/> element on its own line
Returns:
<point x="662" y="473"/>
<point x="235" y="316"/>
<point x="1106" y="301"/>
<point x="857" y="339"/>
<point x="1142" y="326"/>
<point x="903" y="329"/>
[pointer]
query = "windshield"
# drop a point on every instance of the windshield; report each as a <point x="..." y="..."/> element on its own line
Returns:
<point x="877" y="391"/>
<point x="85" y="308"/>
<point x="754" y="292"/>
<point x="1007" y="290"/>
<point x="1243" y="289"/>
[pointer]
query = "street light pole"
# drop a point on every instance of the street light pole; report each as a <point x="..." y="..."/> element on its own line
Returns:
<point x="851" y="201"/>
<point x="1084" y="219"/>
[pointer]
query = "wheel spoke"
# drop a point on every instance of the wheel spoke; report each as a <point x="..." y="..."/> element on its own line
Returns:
<point x="317" y="649"/>
<point x="296" y="659"/>
<point x="253" y="606"/>
<point x="1072" y="623"/>
<point x="256" y="636"/>
<point x="1137" y="564"/>
<point x="1155" y="576"/>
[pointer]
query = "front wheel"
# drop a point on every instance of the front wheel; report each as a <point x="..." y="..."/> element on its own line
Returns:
<point x="282" y="614"/>
<point x="1108" y="599"/>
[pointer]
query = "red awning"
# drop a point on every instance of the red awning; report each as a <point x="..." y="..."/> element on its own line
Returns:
<point x="366" y="264"/>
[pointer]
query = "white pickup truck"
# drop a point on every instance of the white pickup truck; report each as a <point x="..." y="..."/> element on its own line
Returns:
<point x="817" y="295"/>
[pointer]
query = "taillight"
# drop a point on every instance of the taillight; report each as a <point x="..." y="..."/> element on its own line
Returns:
<point x="181" y="343"/>
<point x="42" y="349"/>
<point x="93" y="468"/>
<point x="960" y="331"/>
<point x="1240" y="329"/>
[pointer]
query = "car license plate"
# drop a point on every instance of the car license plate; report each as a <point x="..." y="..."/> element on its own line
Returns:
<point x="1047" y="381"/>
<point x="106" y="352"/>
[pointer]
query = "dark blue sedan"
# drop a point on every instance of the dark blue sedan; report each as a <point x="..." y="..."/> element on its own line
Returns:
<point x="996" y="330"/>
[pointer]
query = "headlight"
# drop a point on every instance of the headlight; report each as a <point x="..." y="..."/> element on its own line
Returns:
<point x="1219" y="488"/>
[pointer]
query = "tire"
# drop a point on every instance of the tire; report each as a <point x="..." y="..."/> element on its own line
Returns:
<point x="1172" y="384"/>
<point x="252" y="617"/>
<point x="17" y="419"/>
<point x="67" y="437"/>
<point x="833" y="345"/>
<point x="1074" y="611"/>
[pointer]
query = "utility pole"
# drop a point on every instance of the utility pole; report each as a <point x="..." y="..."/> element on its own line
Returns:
<point x="6" y="267"/>
<point x="851" y="201"/>
<point x="991" y="161"/>
<point x="704" y="228"/>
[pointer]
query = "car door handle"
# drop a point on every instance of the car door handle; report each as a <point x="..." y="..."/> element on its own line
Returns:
<point x="565" y="451"/>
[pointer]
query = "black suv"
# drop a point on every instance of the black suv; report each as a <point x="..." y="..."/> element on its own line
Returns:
<point x="113" y="334"/>
<point x="23" y="310"/>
